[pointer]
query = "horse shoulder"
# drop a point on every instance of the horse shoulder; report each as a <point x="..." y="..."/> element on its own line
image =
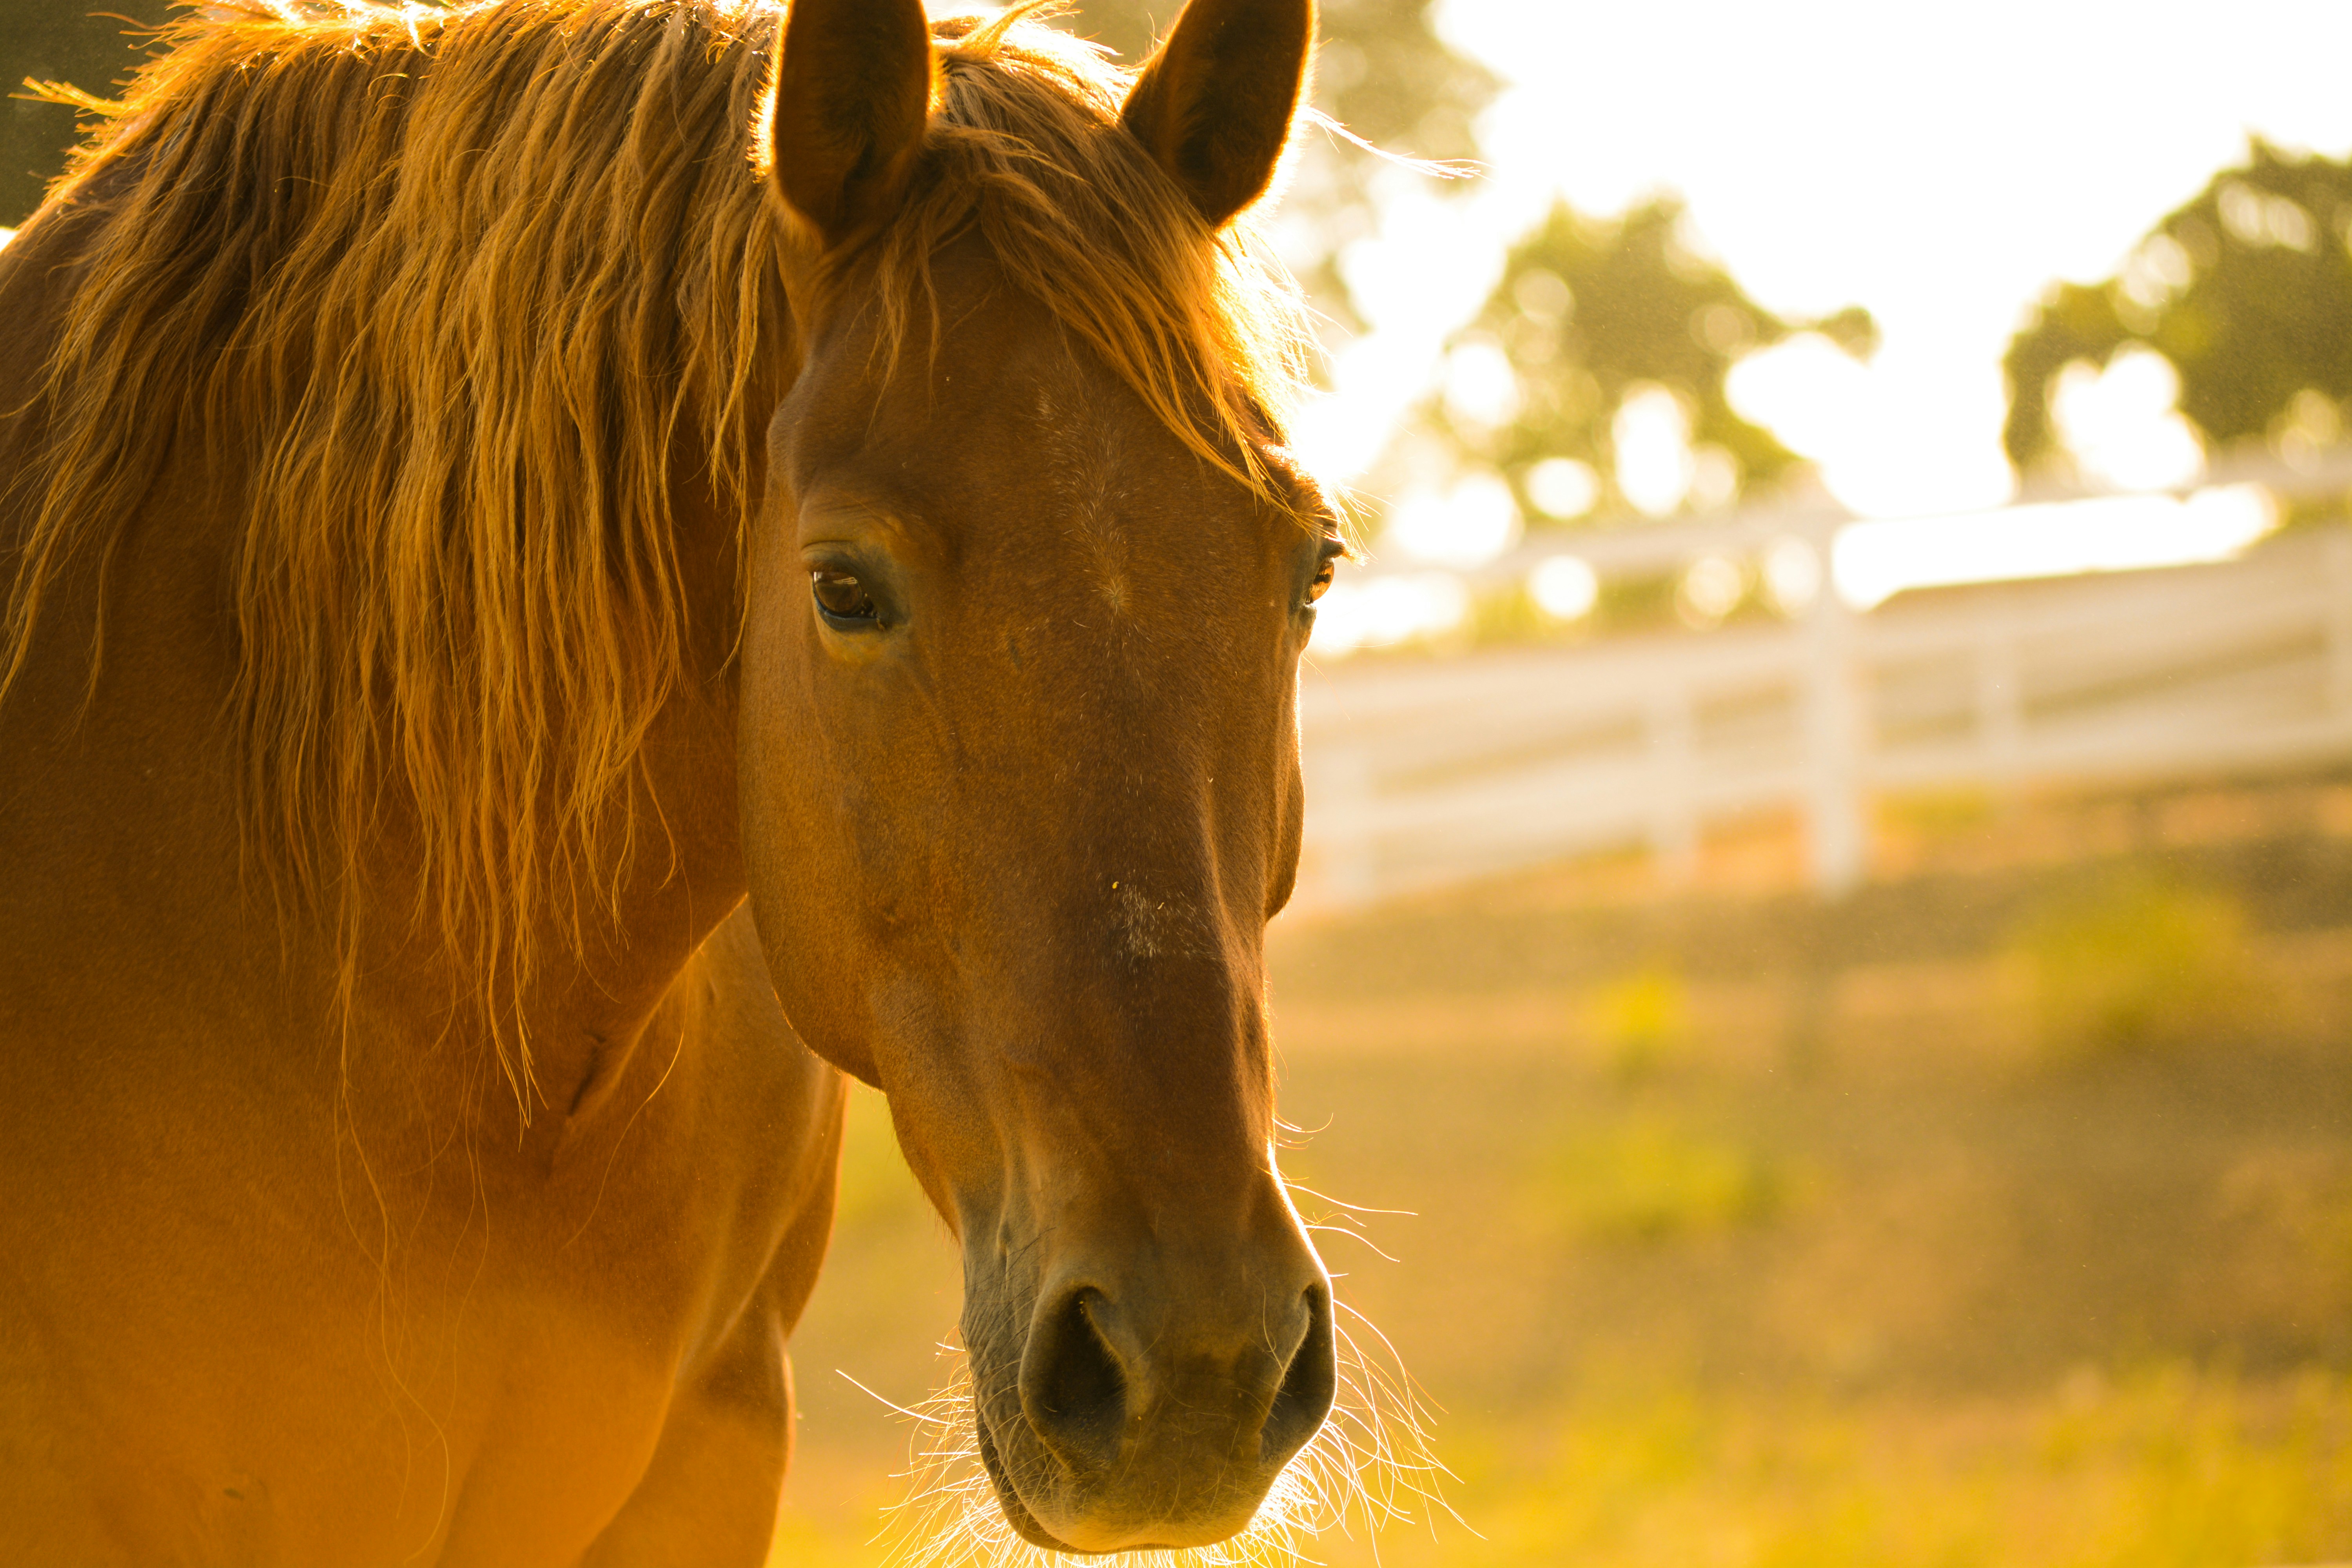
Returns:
<point x="756" y="1127"/>
<point x="709" y="1494"/>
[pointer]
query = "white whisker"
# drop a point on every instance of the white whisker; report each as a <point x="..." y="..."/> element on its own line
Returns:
<point x="1367" y="1464"/>
<point x="1338" y="1203"/>
<point x="878" y="1399"/>
<point x="1356" y="1235"/>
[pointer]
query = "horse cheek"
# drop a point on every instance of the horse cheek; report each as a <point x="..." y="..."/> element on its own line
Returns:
<point x="787" y="841"/>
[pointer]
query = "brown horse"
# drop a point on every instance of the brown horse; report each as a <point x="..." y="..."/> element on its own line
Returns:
<point x="489" y="486"/>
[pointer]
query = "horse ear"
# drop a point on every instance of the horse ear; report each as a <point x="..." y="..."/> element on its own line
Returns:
<point x="1214" y="103"/>
<point x="853" y="91"/>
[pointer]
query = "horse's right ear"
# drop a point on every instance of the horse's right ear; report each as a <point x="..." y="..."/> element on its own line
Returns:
<point x="853" y="92"/>
<point x="1214" y="103"/>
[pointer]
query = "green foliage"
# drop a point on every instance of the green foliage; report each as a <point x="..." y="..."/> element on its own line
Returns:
<point x="1386" y="74"/>
<point x="1649" y="1179"/>
<point x="64" y="43"/>
<point x="1939" y="814"/>
<point x="2135" y="963"/>
<point x="1589" y="313"/>
<point x="1127" y="27"/>
<point x="1642" y="1021"/>
<point x="2172" y="1466"/>
<point x="2247" y="290"/>
<point x="1381" y="71"/>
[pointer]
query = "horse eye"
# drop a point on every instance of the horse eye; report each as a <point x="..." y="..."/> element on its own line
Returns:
<point x="842" y="597"/>
<point x="1324" y="573"/>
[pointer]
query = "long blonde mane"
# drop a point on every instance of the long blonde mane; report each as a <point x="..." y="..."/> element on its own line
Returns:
<point x="459" y="298"/>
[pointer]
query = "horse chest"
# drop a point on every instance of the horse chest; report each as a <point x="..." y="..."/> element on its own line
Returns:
<point x="333" y="1318"/>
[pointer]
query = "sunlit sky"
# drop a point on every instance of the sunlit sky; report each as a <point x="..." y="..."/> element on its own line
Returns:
<point x="1939" y="166"/>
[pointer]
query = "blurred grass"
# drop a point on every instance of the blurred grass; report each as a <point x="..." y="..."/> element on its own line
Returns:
<point x="2166" y="1466"/>
<point x="2139" y="961"/>
<point x="1998" y="1219"/>
<point x="1644" y="1020"/>
<point x="1650" y="1179"/>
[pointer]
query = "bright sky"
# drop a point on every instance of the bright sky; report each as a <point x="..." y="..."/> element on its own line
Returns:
<point x="1937" y="164"/>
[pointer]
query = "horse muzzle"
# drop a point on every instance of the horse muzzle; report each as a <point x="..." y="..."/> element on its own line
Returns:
<point x="1144" y="1410"/>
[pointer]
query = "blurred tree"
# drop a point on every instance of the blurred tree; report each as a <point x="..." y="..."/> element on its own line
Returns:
<point x="1602" y="336"/>
<point x="1383" y="73"/>
<point x="1127" y="27"/>
<point x="67" y="42"/>
<point x="2247" y="290"/>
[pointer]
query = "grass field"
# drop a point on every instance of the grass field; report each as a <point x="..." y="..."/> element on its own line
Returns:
<point x="1999" y="1216"/>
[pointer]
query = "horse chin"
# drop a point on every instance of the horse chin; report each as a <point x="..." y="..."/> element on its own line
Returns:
<point x="1025" y="1524"/>
<point x="1016" y="1513"/>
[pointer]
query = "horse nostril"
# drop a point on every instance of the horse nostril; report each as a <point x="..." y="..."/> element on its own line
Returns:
<point x="1305" y="1397"/>
<point x="1074" y="1388"/>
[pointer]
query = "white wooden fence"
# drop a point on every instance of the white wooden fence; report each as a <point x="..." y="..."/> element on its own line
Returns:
<point x="1429" y="772"/>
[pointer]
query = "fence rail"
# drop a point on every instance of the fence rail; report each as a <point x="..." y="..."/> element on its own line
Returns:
<point x="1422" y="774"/>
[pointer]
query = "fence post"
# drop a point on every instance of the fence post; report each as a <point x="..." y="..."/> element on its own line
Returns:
<point x="1672" y="723"/>
<point x="2001" y="703"/>
<point x="1837" y="836"/>
<point x="2338" y="628"/>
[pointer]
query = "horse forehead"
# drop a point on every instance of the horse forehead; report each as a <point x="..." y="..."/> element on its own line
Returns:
<point x="1122" y="561"/>
<point x="1122" y="496"/>
<point x="1084" y="455"/>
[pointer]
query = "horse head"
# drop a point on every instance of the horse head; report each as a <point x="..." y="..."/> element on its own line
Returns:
<point x="1020" y="761"/>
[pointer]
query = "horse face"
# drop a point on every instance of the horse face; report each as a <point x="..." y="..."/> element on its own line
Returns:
<point x="1020" y="789"/>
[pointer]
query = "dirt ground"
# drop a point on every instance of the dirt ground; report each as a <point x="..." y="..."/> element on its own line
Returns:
<point x="2000" y="1214"/>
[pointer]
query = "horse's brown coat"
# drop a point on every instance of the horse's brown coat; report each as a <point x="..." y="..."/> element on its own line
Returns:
<point x="281" y="1291"/>
<point x="408" y="1158"/>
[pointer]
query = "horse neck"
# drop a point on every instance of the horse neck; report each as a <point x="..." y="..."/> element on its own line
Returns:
<point x="129" y="765"/>
<point x="611" y="940"/>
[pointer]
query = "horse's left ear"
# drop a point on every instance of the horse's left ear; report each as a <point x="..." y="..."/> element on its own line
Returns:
<point x="853" y="94"/>
<point x="1214" y="103"/>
